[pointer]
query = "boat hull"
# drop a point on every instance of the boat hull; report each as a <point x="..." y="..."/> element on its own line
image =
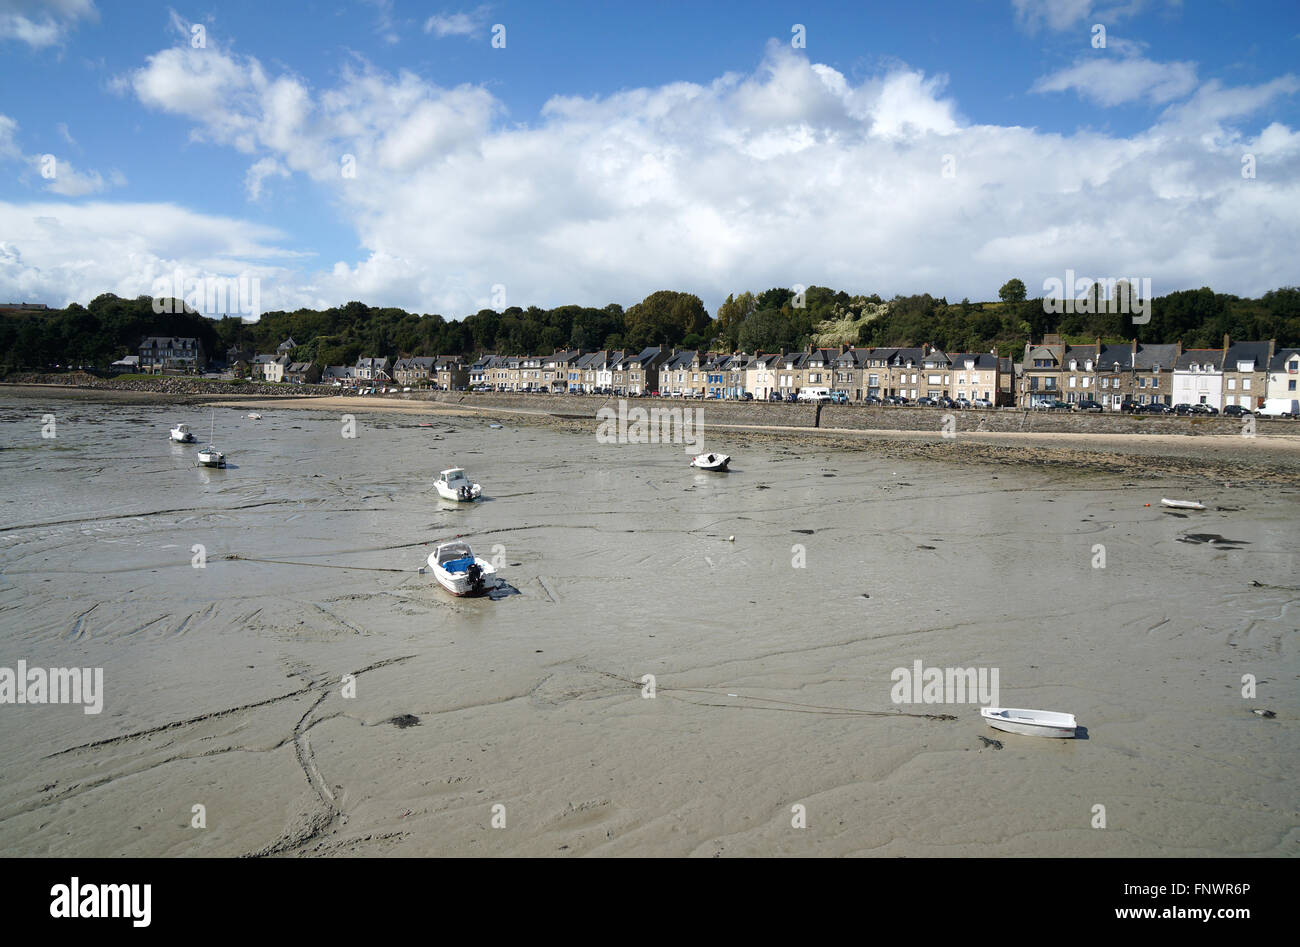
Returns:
<point x="719" y="462"/>
<point x="458" y="583"/>
<point x="1182" y="504"/>
<point x="454" y="496"/>
<point x="1031" y="723"/>
<point x="210" y="460"/>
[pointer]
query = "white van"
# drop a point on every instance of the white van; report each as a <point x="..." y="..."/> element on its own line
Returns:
<point x="1279" y="408"/>
<point x="814" y="395"/>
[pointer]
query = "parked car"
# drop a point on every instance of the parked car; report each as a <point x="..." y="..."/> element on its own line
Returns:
<point x="926" y="403"/>
<point x="1182" y="410"/>
<point x="1237" y="411"/>
<point x="961" y="403"/>
<point x="872" y="400"/>
<point x="981" y="403"/>
<point x="1051" y="406"/>
<point x="775" y="396"/>
<point x="1087" y="404"/>
<point x="1155" y="407"/>
<point x="791" y="397"/>
<point x="1204" y="409"/>
<point x="746" y="396"/>
<point x="839" y="397"/>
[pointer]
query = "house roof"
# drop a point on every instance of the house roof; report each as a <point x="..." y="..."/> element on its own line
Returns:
<point x="1256" y="352"/>
<point x="681" y="360"/>
<point x="1281" y="357"/>
<point x="1201" y="357"/>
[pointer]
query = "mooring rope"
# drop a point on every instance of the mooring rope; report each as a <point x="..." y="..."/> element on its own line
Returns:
<point x="790" y="706"/>
<point x="314" y="565"/>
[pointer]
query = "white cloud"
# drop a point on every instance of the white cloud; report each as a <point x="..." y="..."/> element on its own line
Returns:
<point x="1108" y="80"/>
<point x="61" y="252"/>
<point x="59" y="175"/>
<point x="457" y="24"/>
<point x="41" y="23"/>
<point x="1058" y="15"/>
<point x="259" y="172"/>
<point x="792" y="174"/>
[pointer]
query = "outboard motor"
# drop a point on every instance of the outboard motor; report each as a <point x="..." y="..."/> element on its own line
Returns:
<point x="464" y="492"/>
<point x="475" y="575"/>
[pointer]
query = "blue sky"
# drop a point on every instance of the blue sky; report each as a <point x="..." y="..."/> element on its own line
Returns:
<point x="611" y="150"/>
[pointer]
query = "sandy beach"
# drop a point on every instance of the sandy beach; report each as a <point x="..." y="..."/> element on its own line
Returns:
<point x="316" y="695"/>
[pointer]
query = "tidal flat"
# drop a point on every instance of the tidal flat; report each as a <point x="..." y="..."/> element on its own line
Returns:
<point x="271" y="653"/>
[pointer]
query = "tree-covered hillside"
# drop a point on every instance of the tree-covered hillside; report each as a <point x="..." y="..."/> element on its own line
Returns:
<point x="111" y="327"/>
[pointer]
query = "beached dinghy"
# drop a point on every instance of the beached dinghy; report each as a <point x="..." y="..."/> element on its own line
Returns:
<point x="711" y="461"/>
<point x="1032" y="723"/>
<point x="459" y="571"/>
<point x="181" y="434"/>
<point x="454" y="485"/>
<point x="254" y="416"/>
<point x="1182" y="504"/>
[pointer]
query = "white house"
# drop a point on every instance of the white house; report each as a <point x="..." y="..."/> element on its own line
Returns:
<point x="1198" y="378"/>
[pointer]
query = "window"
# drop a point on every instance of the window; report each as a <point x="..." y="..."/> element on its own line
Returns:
<point x="1232" y="385"/>
<point x="1245" y="384"/>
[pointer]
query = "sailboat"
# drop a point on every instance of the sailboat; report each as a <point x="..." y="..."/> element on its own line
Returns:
<point x="210" y="456"/>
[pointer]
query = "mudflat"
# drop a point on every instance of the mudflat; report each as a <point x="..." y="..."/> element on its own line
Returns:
<point x="271" y="653"/>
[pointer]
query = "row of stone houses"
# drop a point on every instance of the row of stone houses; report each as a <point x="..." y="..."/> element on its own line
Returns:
<point x="858" y="373"/>
<point x="1239" y="373"/>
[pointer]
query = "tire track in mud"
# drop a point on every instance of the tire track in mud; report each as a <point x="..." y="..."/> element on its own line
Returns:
<point x="314" y="824"/>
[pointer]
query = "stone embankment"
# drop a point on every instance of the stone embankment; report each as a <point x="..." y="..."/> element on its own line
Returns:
<point x="172" y="385"/>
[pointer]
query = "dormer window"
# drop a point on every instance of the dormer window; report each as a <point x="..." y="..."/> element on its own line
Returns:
<point x="1087" y="366"/>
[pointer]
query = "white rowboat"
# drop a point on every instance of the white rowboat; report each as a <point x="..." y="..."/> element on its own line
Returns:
<point x="1182" y="504"/>
<point x="1033" y="723"/>
<point x="711" y="461"/>
<point x="459" y="571"/>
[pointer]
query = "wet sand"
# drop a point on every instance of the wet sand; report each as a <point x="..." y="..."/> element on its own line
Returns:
<point x="223" y="684"/>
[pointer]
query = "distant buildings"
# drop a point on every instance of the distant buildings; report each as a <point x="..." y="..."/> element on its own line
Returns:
<point x="160" y="354"/>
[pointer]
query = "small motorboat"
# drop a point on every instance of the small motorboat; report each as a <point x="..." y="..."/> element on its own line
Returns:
<point x="1032" y="723"/>
<point x="452" y="484"/>
<point x="1182" y="504"/>
<point x="181" y="434"/>
<point x="711" y="461"/>
<point x="459" y="571"/>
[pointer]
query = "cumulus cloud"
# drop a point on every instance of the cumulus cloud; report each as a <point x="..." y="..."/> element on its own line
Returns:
<point x="41" y="23"/>
<point x="791" y="174"/>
